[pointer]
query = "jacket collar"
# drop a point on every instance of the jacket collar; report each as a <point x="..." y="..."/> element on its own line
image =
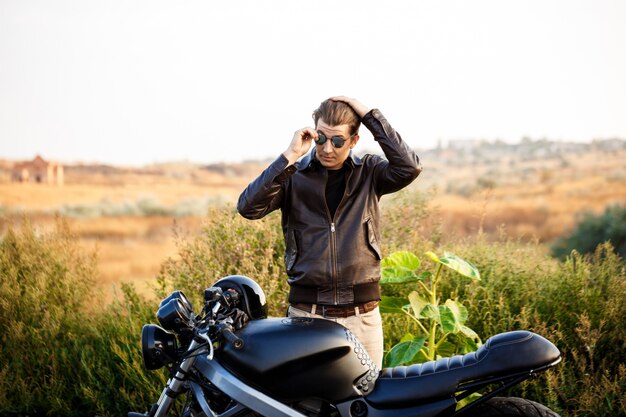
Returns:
<point x="310" y="161"/>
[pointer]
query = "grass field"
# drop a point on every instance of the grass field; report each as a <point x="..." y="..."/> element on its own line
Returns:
<point x="134" y="217"/>
<point x="68" y="352"/>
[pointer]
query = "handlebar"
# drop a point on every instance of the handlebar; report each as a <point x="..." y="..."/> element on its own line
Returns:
<point x="231" y="337"/>
<point x="230" y="297"/>
<point x="216" y="299"/>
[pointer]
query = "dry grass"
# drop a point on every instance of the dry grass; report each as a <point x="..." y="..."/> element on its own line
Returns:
<point x="530" y="200"/>
<point x="132" y="249"/>
<point x="539" y="199"/>
<point x="39" y="197"/>
<point x="129" y="249"/>
<point x="535" y="211"/>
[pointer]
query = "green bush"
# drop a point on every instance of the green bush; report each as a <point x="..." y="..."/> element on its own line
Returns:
<point x="230" y="245"/>
<point x="593" y="230"/>
<point x="64" y="353"/>
<point x="579" y="304"/>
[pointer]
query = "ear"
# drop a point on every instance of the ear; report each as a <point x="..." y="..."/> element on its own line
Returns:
<point x="355" y="139"/>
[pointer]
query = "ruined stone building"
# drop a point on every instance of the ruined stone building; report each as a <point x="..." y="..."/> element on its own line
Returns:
<point x="38" y="171"/>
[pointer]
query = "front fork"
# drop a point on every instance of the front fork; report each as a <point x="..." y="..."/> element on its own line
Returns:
<point x="175" y="384"/>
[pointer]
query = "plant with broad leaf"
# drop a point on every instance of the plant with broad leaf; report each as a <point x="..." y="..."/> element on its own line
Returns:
<point x="442" y="330"/>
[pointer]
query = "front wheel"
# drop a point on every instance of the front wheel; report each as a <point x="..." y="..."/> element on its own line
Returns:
<point x="510" y="407"/>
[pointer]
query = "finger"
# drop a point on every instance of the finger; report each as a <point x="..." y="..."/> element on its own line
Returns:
<point x="309" y="133"/>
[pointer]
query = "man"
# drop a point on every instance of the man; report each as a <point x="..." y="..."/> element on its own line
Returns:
<point x="330" y="215"/>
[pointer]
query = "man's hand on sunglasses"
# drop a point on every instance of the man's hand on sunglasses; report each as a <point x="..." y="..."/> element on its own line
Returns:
<point x="300" y="144"/>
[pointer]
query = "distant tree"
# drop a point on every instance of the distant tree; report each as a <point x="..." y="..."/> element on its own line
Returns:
<point x="593" y="230"/>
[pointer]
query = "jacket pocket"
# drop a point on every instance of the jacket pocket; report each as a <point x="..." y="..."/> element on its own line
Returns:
<point x="372" y="240"/>
<point x="291" y="249"/>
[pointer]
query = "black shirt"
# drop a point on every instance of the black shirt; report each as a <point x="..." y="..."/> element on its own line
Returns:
<point x="335" y="188"/>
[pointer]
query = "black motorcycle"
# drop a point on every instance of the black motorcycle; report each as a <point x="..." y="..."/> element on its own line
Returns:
<point x="231" y="360"/>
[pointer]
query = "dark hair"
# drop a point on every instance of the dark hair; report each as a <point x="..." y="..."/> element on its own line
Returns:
<point x="335" y="113"/>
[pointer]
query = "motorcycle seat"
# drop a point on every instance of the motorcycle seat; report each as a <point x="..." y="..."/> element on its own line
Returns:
<point x="502" y="354"/>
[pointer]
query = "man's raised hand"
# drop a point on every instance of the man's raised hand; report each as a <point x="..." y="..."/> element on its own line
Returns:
<point x="300" y="144"/>
<point x="359" y="108"/>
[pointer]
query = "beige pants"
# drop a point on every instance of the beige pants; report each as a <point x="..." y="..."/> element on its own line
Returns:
<point x="367" y="328"/>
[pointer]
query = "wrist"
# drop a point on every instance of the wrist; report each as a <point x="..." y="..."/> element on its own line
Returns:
<point x="362" y="111"/>
<point x="359" y="108"/>
<point x="291" y="156"/>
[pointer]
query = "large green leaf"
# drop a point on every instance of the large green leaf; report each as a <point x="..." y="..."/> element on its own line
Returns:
<point x="452" y="315"/>
<point x="417" y="304"/>
<point x="459" y="311"/>
<point x="392" y="304"/>
<point x="447" y="319"/>
<point x="403" y="258"/>
<point x="404" y="353"/>
<point x="446" y="349"/>
<point x="399" y="268"/>
<point x="470" y="345"/>
<point x="425" y="275"/>
<point x="421" y="357"/>
<point x="407" y="337"/>
<point x="469" y="333"/>
<point x="430" y="311"/>
<point x="457" y="264"/>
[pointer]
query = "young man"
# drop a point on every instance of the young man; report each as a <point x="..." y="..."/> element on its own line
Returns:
<point x="330" y="214"/>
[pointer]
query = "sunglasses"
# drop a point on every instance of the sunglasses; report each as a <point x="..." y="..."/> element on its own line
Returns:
<point x="337" y="141"/>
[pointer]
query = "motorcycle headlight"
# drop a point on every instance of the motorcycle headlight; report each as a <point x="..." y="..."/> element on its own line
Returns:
<point x="175" y="312"/>
<point x="158" y="347"/>
<point x="174" y="317"/>
<point x="180" y="296"/>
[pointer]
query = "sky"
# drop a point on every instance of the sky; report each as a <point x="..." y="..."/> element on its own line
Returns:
<point x="139" y="82"/>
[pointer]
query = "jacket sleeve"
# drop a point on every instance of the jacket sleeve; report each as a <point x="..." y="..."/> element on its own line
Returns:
<point x="402" y="165"/>
<point x="265" y="194"/>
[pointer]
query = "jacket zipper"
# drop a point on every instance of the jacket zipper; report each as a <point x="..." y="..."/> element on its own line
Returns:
<point x="333" y="256"/>
<point x="333" y="240"/>
<point x="333" y="250"/>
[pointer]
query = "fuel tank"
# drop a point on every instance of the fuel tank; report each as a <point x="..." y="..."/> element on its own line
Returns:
<point x="297" y="358"/>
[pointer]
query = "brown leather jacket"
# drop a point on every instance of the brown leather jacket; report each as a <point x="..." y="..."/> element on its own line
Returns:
<point x="333" y="261"/>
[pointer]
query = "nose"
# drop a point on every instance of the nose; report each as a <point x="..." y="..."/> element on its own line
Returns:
<point x="327" y="147"/>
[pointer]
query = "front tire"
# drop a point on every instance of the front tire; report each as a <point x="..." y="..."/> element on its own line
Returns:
<point x="510" y="407"/>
